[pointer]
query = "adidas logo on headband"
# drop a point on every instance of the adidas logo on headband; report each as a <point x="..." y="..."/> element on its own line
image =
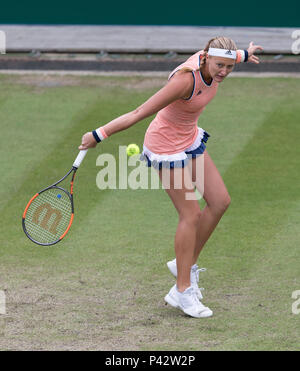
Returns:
<point x="228" y="52"/>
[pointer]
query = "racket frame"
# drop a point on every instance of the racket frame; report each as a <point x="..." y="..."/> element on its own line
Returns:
<point x="70" y="195"/>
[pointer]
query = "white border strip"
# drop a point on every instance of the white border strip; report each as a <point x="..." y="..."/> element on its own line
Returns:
<point x="138" y="73"/>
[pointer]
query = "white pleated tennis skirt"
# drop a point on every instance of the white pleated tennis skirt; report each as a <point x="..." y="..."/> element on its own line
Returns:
<point x="179" y="159"/>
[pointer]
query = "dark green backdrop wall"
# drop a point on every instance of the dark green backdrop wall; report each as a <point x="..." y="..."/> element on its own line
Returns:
<point x="253" y="13"/>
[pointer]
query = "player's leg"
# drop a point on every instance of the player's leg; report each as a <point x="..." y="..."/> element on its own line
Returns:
<point x="178" y="183"/>
<point x="183" y="295"/>
<point x="216" y="197"/>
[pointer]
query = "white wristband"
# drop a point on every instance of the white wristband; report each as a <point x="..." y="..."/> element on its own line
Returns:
<point x="242" y="55"/>
<point x="100" y="135"/>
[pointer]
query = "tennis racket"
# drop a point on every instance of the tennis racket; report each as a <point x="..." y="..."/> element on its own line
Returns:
<point x="49" y="214"/>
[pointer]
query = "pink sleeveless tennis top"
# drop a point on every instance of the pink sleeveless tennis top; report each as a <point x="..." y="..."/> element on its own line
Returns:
<point x="174" y="128"/>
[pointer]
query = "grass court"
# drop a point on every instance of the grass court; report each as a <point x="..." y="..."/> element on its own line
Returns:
<point x="102" y="287"/>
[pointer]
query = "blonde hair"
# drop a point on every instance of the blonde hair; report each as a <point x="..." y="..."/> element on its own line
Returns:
<point x="220" y="42"/>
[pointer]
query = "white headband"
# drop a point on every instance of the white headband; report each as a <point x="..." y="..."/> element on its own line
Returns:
<point x="225" y="53"/>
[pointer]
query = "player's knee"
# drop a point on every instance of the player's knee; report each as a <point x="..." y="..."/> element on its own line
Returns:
<point x="192" y="217"/>
<point x="220" y="205"/>
<point x="224" y="203"/>
<point x="195" y="217"/>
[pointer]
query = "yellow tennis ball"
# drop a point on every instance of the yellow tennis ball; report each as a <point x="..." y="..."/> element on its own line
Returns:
<point x="132" y="149"/>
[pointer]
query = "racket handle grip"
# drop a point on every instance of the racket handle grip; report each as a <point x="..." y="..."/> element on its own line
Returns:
<point x="79" y="158"/>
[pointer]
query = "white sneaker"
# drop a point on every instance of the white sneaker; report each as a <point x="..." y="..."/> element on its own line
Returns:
<point x="188" y="302"/>
<point x="194" y="276"/>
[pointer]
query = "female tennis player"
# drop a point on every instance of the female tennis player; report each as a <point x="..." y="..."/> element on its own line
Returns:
<point x="173" y="141"/>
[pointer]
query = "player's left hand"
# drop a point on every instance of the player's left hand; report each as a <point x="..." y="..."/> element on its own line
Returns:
<point x="87" y="141"/>
<point x="251" y="50"/>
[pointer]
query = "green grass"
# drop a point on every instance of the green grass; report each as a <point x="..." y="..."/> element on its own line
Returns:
<point x="102" y="288"/>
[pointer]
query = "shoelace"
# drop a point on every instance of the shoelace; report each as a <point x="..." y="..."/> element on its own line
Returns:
<point x="197" y="271"/>
<point x="193" y="297"/>
<point x="196" y="301"/>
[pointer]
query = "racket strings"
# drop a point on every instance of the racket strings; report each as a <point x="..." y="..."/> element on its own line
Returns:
<point x="48" y="215"/>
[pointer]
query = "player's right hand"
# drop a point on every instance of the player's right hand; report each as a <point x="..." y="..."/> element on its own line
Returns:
<point x="87" y="141"/>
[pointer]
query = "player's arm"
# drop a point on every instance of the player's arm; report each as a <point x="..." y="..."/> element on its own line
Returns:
<point x="179" y="86"/>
